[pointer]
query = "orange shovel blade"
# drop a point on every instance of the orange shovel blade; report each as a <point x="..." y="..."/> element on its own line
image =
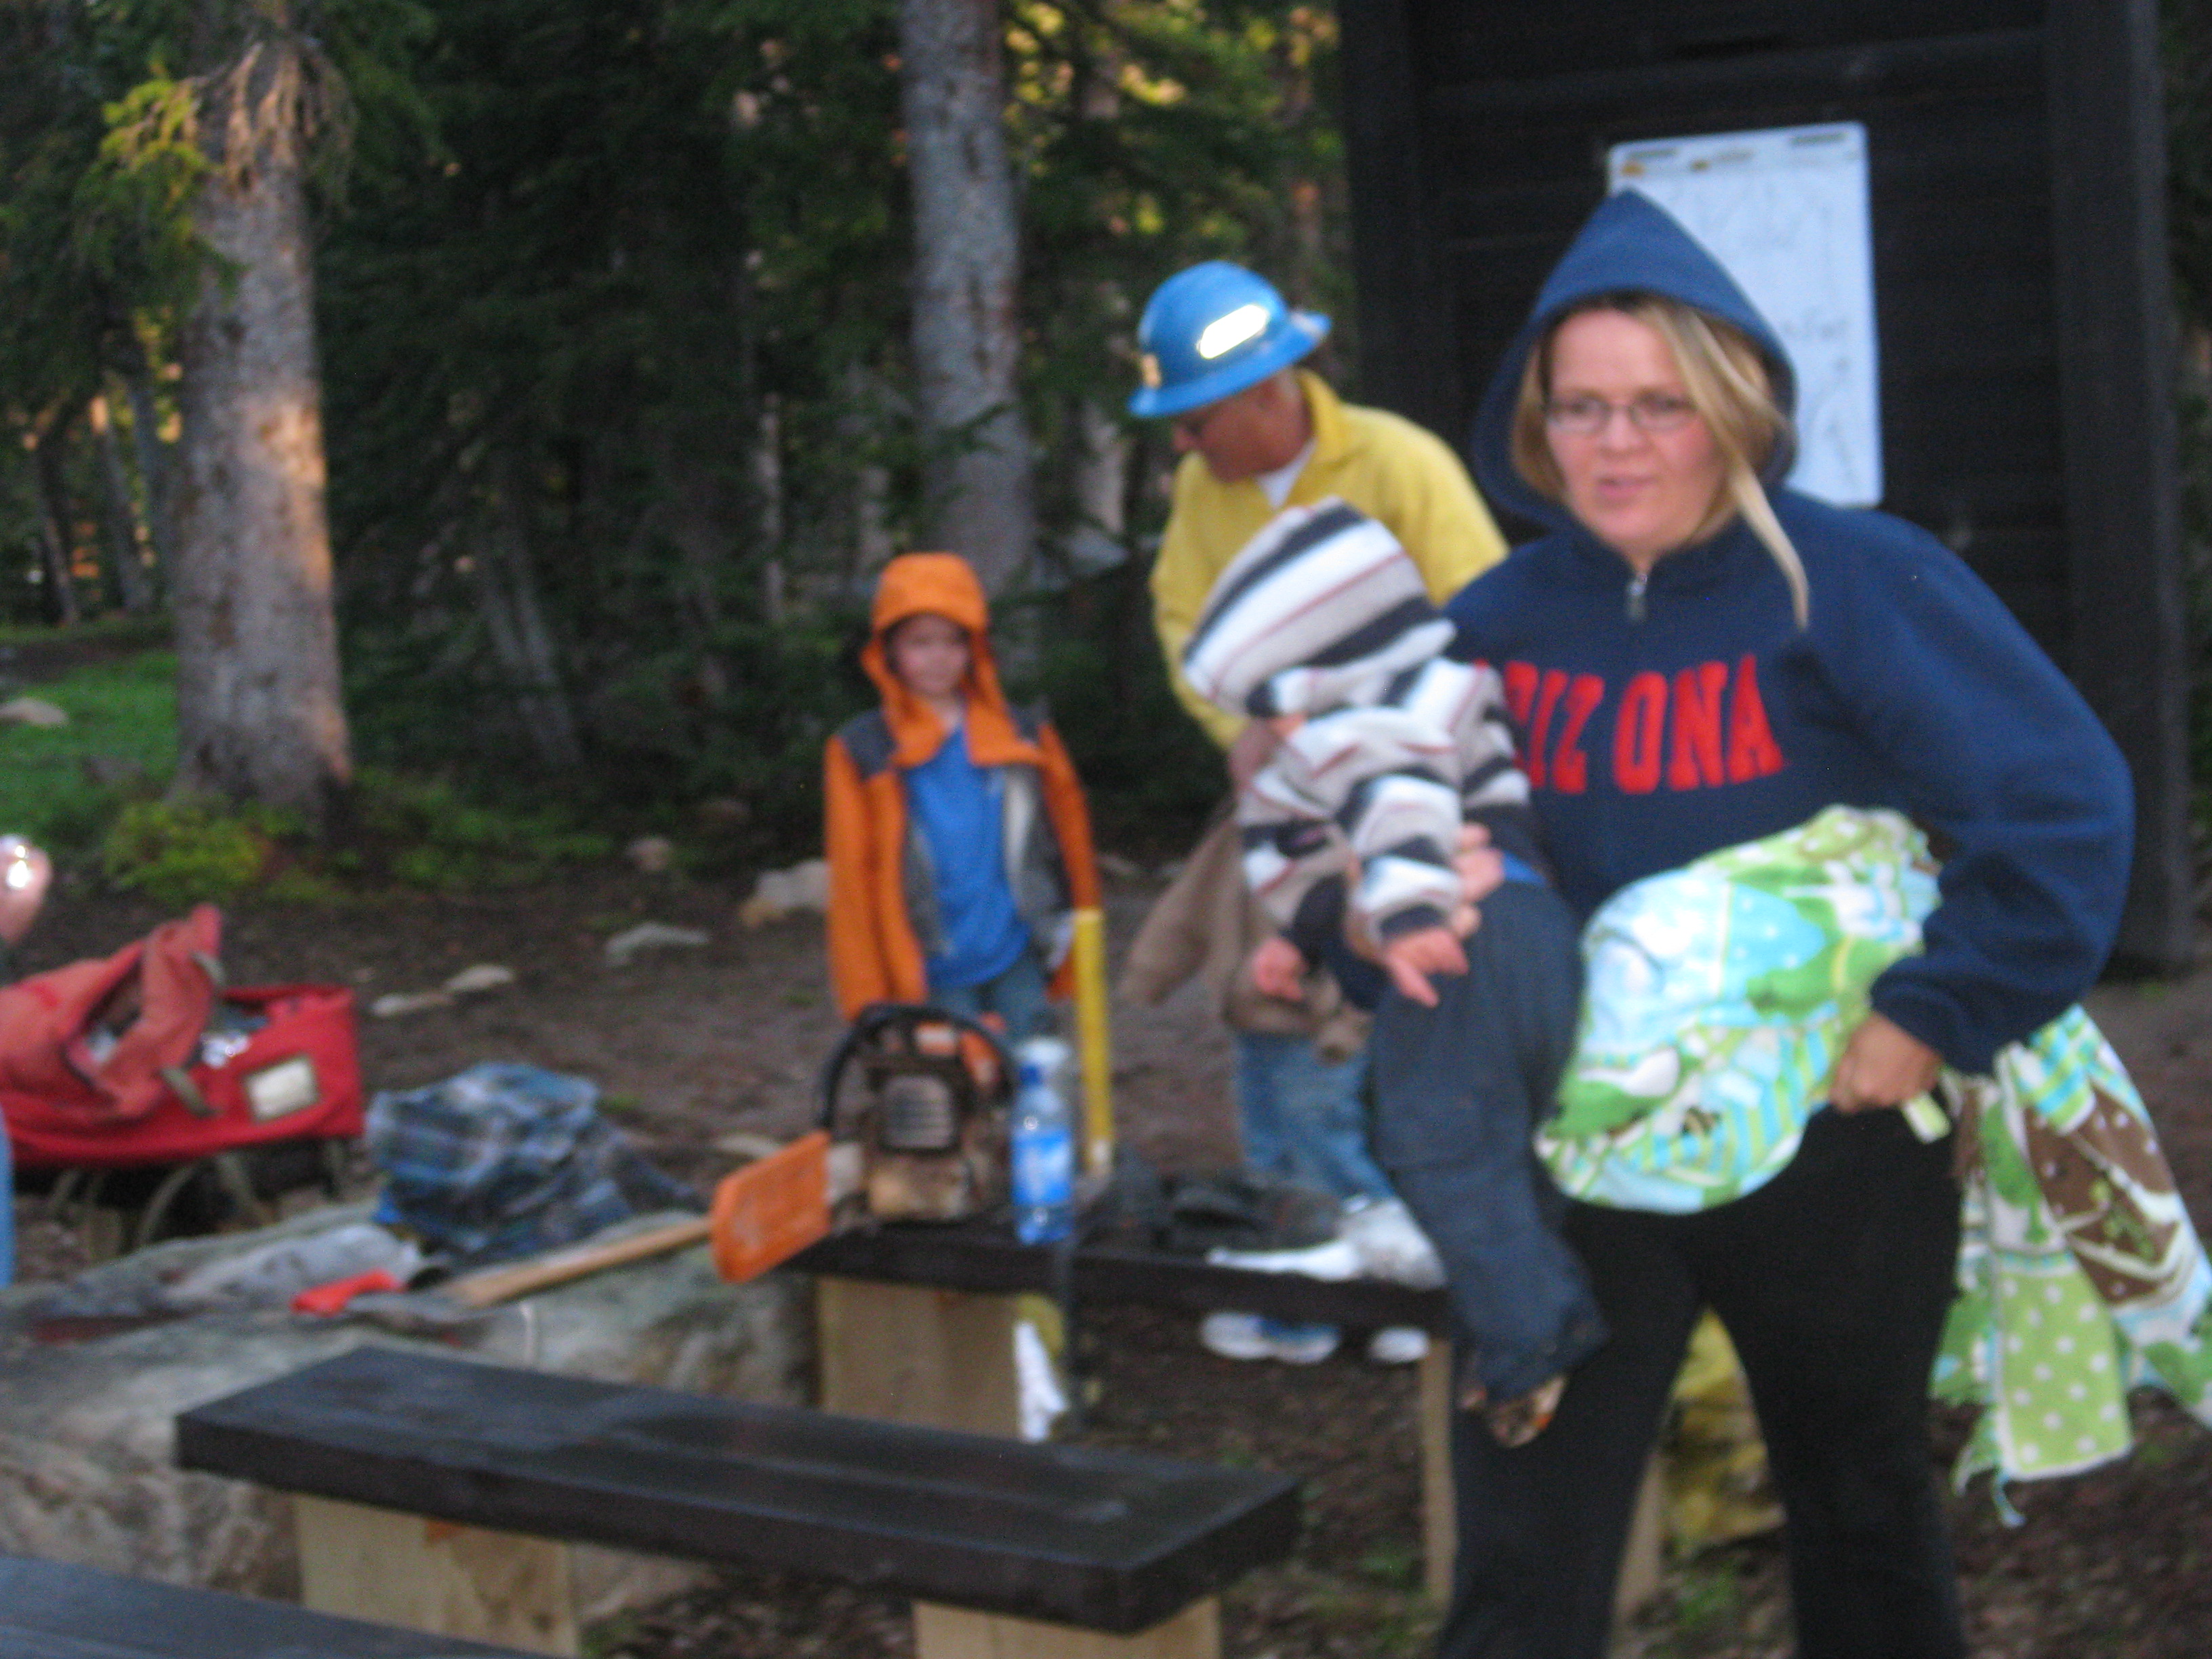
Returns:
<point x="769" y="1211"/>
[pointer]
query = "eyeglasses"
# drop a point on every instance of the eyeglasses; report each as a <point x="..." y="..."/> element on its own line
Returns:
<point x="1651" y="412"/>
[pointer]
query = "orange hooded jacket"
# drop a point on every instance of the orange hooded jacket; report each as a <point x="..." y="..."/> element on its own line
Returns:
<point x="882" y="897"/>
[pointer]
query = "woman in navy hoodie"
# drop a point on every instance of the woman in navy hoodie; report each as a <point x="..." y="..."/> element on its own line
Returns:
<point x="1698" y="656"/>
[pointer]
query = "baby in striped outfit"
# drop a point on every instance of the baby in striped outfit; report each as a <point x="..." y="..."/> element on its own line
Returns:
<point x="1392" y="761"/>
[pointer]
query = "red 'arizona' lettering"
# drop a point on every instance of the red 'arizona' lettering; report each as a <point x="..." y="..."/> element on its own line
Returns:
<point x="1752" y="752"/>
<point x="1570" y="766"/>
<point x="1540" y="728"/>
<point x="1637" y="730"/>
<point x="1706" y="727"/>
<point x="1695" y="758"/>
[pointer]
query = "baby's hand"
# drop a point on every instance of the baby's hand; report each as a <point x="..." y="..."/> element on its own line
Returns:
<point x="1279" y="970"/>
<point x="1412" y="958"/>
<point x="1481" y="869"/>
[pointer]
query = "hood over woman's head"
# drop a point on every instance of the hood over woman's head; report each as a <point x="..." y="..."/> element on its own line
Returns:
<point x="1635" y="257"/>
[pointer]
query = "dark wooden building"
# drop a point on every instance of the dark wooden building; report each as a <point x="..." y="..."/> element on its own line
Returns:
<point x="2015" y="169"/>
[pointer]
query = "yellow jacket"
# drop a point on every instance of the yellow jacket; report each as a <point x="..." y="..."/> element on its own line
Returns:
<point x="1389" y="468"/>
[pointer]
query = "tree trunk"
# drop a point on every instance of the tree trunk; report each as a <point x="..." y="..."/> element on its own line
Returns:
<point x="126" y="549"/>
<point x="507" y="581"/>
<point x="967" y="342"/>
<point x="51" y="444"/>
<point x="258" y="714"/>
<point x="860" y="421"/>
<point x="152" y="470"/>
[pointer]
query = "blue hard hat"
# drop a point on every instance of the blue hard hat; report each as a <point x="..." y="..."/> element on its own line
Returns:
<point x="1210" y="332"/>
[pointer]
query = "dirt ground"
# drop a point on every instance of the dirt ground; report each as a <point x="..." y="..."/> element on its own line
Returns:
<point x="690" y="1045"/>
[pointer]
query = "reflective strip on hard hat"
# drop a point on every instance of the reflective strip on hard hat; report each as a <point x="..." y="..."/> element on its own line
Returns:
<point x="1210" y="332"/>
<point x="1225" y="333"/>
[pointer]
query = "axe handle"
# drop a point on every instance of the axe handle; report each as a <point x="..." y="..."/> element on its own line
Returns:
<point x="1094" y="1041"/>
<point x="481" y="1289"/>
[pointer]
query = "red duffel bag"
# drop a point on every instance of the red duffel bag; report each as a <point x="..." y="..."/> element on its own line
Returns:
<point x="145" y="1057"/>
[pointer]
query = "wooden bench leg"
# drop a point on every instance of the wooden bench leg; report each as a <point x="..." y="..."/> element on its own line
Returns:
<point x="1640" y="1563"/>
<point x="1439" y="1519"/>
<point x="435" y="1576"/>
<point x="941" y="1632"/>
<point x="905" y="1353"/>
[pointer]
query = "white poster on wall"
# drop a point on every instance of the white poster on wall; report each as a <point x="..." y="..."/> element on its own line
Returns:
<point x="1785" y="211"/>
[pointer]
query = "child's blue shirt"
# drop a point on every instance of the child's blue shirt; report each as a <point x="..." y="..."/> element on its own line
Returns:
<point x="957" y="805"/>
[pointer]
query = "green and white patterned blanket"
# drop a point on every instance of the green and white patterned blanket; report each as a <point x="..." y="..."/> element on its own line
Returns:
<point x="1719" y="996"/>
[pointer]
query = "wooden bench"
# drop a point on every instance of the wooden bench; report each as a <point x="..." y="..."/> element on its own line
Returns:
<point x="915" y="1323"/>
<point x="51" y="1611"/>
<point x="1042" y="1551"/>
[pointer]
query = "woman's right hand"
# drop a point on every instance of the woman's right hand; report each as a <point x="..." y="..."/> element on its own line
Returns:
<point x="1882" y="1065"/>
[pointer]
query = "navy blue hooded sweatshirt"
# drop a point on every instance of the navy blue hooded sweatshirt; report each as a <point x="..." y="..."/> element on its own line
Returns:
<point x="1658" y="728"/>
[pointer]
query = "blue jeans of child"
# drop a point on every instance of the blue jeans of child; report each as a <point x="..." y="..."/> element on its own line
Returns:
<point x="1016" y="996"/>
<point x="1302" y="1115"/>
<point x="1459" y="1088"/>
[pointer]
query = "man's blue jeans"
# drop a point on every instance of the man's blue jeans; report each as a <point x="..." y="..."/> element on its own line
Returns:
<point x="1303" y="1117"/>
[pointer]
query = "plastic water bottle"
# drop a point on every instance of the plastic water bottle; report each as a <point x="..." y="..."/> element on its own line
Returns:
<point x="1043" y="1146"/>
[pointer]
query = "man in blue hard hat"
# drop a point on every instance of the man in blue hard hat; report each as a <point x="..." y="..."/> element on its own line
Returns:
<point x="1256" y="435"/>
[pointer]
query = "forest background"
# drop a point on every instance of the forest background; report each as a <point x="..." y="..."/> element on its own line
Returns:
<point x="613" y="303"/>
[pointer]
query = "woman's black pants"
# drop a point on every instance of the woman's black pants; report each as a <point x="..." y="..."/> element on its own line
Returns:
<point x="1833" y="1280"/>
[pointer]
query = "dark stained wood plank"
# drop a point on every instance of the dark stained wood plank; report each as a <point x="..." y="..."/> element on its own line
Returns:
<point x="1108" y="1540"/>
<point x="2116" y="362"/>
<point x="51" y="1611"/>
<point x="1405" y="362"/>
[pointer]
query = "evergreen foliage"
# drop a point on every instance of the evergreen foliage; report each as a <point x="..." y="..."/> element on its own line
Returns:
<point x="612" y="305"/>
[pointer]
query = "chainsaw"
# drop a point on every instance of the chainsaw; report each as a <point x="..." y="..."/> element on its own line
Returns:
<point x="930" y="1117"/>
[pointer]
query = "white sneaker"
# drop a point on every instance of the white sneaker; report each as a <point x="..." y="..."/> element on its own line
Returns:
<point x="1390" y="1243"/>
<point x="1338" y="1259"/>
<point x="1248" y="1336"/>
<point x="1398" y="1345"/>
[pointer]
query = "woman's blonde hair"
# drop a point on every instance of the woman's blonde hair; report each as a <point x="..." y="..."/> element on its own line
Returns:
<point x="1726" y="378"/>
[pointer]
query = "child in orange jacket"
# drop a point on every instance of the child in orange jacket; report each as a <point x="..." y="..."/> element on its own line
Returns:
<point x="957" y="838"/>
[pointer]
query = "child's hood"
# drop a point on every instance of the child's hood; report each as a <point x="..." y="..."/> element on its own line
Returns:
<point x="940" y="585"/>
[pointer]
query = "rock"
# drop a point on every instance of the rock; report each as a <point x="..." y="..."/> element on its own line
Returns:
<point x="392" y="1003"/>
<point x="483" y="976"/>
<point x="779" y="893"/>
<point x="85" y="1427"/>
<point x="272" y="1274"/>
<point x="651" y="936"/>
<point x="32" y="711"/>
<point x="651" y="855"/>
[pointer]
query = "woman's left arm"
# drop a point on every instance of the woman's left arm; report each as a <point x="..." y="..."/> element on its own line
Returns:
<point x="1987" y="743"/>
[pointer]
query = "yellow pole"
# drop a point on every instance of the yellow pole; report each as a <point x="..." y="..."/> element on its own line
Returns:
<point x="1094" y="1044"/>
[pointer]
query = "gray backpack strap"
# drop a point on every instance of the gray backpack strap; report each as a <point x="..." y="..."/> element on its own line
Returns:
<point x="867" y="739"/>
